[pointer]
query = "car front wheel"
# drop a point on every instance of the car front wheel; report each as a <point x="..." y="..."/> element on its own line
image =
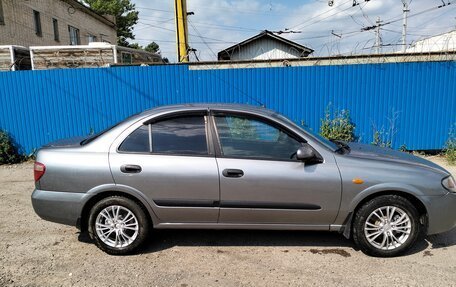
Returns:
<point x="386" y="226"/>
<point x="118" y="225"/>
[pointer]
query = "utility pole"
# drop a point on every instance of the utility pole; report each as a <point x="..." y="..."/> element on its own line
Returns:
<point x="378" y="38"/>
<point x="181" y="30"/>
<point x="405" y="11"/>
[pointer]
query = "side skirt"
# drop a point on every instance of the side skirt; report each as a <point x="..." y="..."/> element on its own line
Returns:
<point x="244" y="226"/>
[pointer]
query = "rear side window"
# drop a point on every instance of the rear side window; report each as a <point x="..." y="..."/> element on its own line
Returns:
<point x="183" y="135"/>
<point x="137" y="141"/>
<point x="176" y="136"/>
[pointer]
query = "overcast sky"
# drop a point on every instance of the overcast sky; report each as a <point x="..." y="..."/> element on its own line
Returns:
<point x="218" y="24"/>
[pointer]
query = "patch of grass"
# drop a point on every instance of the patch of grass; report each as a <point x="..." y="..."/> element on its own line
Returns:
<point x="337" y="125"/>
<point x="385" y="137"/>
<point x="379" y="139"/>
<point x="450" y="147"/>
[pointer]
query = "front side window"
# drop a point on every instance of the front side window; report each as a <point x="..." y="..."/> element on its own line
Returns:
<point x="244" y="137"/>
<point x="74" y="35"/>
<point x="176" y="136"/>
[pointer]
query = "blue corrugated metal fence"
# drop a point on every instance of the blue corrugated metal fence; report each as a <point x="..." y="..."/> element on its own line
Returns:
<point x="41" y="106"/>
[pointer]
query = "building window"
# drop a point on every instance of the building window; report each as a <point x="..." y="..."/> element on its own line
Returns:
<point x="2" y="18"/>
<point x="92" y="38"/>
<point x="55" y="25"/>
<point x="37" y="18"/>
<point x="74" y="35"/>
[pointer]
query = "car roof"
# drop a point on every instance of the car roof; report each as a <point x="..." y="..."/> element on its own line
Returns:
<point x="209" y="106"/>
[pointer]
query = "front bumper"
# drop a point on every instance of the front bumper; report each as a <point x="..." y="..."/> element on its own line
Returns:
<point x="59" y="207"/>
<point x="441" y="212"/>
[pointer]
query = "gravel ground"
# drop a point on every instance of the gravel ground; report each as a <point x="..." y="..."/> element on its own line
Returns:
<point x="34" y="252"/>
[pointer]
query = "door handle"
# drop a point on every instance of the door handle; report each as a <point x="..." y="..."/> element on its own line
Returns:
<point x="130" y="168"/>
<point x="233" y="173"/>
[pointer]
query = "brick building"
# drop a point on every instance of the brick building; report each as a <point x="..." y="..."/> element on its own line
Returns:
<point x="53" y="23"/>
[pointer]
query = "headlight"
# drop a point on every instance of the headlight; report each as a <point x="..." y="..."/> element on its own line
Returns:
<point x="449" y="184"/>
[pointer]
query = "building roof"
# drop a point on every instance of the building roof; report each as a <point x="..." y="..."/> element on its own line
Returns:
<point x="439" y="43"/>
<point x="266" y="34"/>
<point x="106" y="19"/>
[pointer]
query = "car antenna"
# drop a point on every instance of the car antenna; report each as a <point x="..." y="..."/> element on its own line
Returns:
<point x="257" y="101"/>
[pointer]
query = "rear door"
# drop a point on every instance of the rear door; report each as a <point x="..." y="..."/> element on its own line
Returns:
<point x="171" y="161"/>
<point x="261" y="182"/>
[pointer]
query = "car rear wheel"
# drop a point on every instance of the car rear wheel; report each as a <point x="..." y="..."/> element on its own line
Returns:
<point x="118" y="225"/>
<point x="386" y="226"/>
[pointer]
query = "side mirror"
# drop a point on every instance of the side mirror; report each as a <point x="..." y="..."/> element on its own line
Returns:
<point x="305" y="153"/>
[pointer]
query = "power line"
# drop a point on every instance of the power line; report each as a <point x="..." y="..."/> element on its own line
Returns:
<point x="315" y="17"/>
<point x="364" y="14"/>
<point x="229" y="27"/>
<point x="173" y="30"/>
<point x="390" y="22"/>
<point x="410" y="16"/>
<point x="242" y="11"/>
<point x="171" y="41"/>
<point x="202" y="38"/>
<point x="214" y="26"/>
<point x="433" y="18"/>
<point x="158" y="27"/>
<point x="154" y="9"/>
<point x="324" y="18"/>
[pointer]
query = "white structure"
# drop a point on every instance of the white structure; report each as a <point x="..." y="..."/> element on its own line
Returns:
<point x="97" y="54"/>
<point x="264" y="46"/>
<point x="439" y="43"/>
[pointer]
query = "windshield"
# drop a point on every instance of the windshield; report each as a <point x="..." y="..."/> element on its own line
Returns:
<point x="311" y="133"/>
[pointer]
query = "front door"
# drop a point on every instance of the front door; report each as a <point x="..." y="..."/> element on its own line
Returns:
<point x="262" y="182"/>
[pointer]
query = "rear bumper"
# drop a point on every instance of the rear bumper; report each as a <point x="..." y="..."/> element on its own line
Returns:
<point x="59" y="207"/>
<point x="441" y="212"/>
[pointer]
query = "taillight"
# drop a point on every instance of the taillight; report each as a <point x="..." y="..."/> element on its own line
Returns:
<point x="38" y="170"/>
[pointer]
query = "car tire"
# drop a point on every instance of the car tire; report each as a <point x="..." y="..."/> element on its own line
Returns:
<point x="118" y="225"/>
<point x="387" y="226"/>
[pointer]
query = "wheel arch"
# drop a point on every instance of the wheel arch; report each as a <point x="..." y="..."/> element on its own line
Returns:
<point x="95" y="196"/>
<point x="413" y="199"/>
<point x="410" y="197"/>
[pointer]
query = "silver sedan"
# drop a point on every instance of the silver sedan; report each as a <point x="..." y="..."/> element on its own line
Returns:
<point x="237" y="167"/>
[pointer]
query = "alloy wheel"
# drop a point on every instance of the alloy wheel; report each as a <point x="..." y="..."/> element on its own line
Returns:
<point x="387" y="227"/>
<point x="116" y="226"/>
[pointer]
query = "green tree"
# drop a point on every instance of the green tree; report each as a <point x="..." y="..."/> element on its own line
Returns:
<point x="9" y="153"/>
<point x="135" y="46"/>
<point x="125" y="13"/>
<point x="153" y="48"/>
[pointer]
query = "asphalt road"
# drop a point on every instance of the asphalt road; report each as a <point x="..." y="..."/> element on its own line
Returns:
<point x="34" y="252"/>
